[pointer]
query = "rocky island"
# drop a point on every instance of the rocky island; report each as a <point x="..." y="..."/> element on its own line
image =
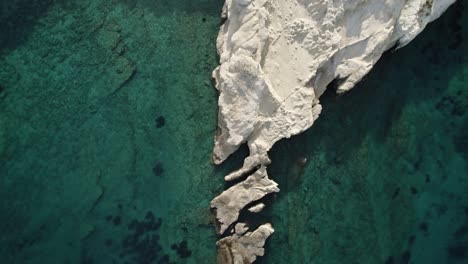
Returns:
<point x="276" y="59"/>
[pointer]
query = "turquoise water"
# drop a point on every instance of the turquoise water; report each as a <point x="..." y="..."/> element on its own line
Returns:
<point x="107" y="117"/>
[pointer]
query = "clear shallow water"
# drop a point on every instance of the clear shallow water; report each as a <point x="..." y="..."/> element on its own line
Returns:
<point x="107" y="115"/>
<point x="107" y="120"/>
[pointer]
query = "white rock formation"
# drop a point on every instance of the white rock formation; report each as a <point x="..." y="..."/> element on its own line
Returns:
<point x="277" y="57"/>
<point x="257" y="208"/>
<point x="243" y="247"/>
<point x="229" y="203"/>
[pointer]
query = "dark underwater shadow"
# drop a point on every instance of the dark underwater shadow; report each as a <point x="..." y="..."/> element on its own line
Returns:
<point x="18" y="17"/>
<point x="161" y="7"/>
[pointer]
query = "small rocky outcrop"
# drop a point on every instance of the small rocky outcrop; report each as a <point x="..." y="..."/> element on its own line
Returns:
<point x="243" y="246"/>
<point x="229" y="203"/>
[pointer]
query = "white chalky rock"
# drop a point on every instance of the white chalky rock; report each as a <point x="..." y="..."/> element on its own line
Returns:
<point x="257" y="208"/>
<point x="277" y="57"/>
<point x="229" y="203"/>
<point x="243" y="247"/>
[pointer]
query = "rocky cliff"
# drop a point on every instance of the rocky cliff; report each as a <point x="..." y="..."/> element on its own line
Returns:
<point x="277" y="58"/>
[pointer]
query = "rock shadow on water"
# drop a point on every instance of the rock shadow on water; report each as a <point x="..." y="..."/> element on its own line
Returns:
<point x="376" y="103"/>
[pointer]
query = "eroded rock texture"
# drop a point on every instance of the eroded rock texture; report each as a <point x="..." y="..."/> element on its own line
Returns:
<point x="243" y="246"/>
<point x="277" y="57"/>
<point x="229" y="204"/>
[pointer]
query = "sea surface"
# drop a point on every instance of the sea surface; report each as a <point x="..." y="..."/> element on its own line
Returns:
<point x="107" y="118"/>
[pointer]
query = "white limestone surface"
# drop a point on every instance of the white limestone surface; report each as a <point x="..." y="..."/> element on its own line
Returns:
<point x="278" y="56"/>
<point x="243" y="247"/>
<point x="229" y="203"/>
<point x="257" y="208"/>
